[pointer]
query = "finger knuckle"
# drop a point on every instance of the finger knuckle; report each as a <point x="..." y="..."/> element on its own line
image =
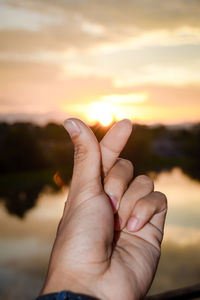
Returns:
<point x="162" y="198"/>
<point x="80" y="152"/>
<point x="126" y="163"/>
<point x="145" y="207"/>
<point x="145" y="180"/>
<point x="114" y="183"/>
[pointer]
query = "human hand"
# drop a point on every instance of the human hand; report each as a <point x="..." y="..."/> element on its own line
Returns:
<point x="87" y="256"/>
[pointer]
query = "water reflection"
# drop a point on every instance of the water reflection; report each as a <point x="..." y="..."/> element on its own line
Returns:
<point x="183" y="217"/>
<point x="20" y="191"/>
<point x="26" y="244"/>
<point x="180" y="259"/>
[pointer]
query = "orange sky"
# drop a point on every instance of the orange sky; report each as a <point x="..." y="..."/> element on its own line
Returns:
<point x="100" y="61"/>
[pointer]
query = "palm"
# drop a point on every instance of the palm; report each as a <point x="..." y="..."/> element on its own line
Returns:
<point x="132" y="264"/>
<point x="129" y="264"/>
<point x="134" y="260"/>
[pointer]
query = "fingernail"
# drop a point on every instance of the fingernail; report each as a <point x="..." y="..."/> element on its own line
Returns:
<point x="113" y="202"/>
<point x="132" y="224"/>
<point x="72" y="128"/>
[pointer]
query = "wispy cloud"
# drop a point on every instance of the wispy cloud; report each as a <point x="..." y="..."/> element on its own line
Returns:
<point x="63" y="25"/>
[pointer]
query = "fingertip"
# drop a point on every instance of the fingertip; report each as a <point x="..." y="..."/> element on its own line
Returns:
<point x="69" y="120"/>
<point x="76" y="121"/>
<point x="127" y="124"/>
<point x="75" y="126"/>
<point x="87" y="159"/>
<point x="72" y="127"/>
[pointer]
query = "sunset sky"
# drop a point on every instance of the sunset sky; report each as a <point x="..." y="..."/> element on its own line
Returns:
<point x="100" y="60"/>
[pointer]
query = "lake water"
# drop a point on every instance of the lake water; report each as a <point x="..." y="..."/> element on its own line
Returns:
<point x="25" y="244"/>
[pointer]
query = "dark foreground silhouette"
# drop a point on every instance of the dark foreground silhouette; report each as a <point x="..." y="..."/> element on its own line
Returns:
<point x="32" y="157"/>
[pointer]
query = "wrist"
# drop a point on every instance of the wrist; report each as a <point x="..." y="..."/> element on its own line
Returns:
<point x="55" y="284"/>
<point x="63" y="295"/>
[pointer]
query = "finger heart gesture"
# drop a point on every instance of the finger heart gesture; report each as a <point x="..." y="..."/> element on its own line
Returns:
<point x="87" y="257"/>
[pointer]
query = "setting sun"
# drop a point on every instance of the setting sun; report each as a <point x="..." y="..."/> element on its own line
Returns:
<point x="101" y="112"/>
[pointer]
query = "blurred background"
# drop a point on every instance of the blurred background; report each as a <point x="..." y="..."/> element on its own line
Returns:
<point x="100" y="61"/>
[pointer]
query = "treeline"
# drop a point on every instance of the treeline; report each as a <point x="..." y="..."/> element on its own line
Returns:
<point x="30" y="156"/>
<point x="28" y="147"/>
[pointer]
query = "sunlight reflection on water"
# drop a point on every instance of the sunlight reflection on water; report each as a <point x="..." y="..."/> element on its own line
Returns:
<point x="183" y="218"/>
<point x="26" y="244"/>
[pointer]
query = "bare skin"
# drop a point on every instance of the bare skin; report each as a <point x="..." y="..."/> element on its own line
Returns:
<point x="88" y="256"/>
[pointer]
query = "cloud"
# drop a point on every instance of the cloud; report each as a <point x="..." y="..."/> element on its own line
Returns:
<point x="43" y="87"/>
<point x="41" y="91"/>
<point x="143" y="14"/>
<point x="103" y="48"/>
<point x="71" y="25"/>
<point x="166" y="95"/>
<point x="54" y="38"/>
<point x="12" y="17"/>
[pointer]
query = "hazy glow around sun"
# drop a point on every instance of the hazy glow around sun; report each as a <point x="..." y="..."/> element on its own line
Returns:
<point x="109" y="108"/>
<point x="126" y="99"/>
<point x="113" y="107"/>
<point x="101" y="112"/>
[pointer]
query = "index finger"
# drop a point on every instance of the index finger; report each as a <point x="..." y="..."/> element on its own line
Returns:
<point x="114" y="142"/>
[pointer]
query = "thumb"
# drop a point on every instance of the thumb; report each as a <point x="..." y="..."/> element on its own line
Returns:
<point x="88" y="211"/>
<point x="87" y="158"/>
